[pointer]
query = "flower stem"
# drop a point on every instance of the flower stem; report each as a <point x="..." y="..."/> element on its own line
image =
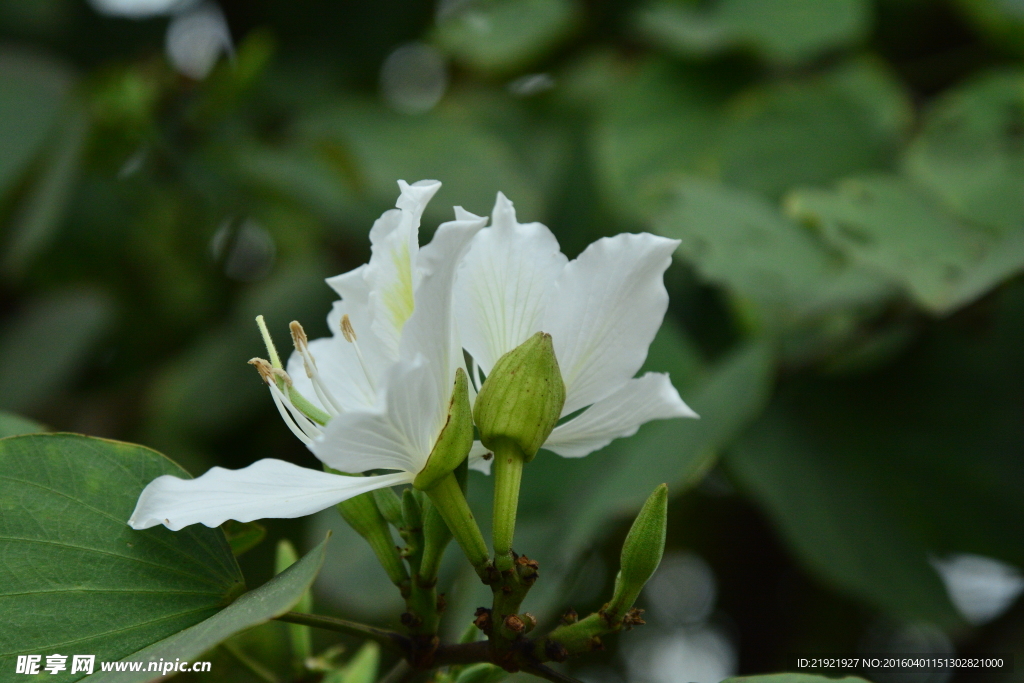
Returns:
<point x="391" y="639"/>
<point x="508" y="472"/>
<point x="447" y="496"/>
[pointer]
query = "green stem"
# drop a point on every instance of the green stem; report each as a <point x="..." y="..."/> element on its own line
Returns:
<point x="451" y="503"/>
<point x="385" y="637"/>
<point x="508" y="472"/>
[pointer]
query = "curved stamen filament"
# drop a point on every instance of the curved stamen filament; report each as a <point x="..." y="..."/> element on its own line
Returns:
<point x="301" y="342"/>
<point x="349" y="333"/>
<point x="301" y="421"/>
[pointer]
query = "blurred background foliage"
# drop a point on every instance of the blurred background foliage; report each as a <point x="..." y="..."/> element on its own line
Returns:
<point x="847" y="316"/>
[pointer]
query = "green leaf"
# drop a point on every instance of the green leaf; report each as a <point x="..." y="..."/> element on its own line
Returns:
<point x="662" y="124"/>
<point x="886" y="224"/>
<point x="258" y="606"/>
<point x="38" y="218"/>
<point x="371" y="147"/>
<point x="501" y="36"/>
<point x="784" y="31"/>
<point x="999" y="20"/>
<point x="814" y="130"/>
<point x="867" y="477"/>
<point x="32" y="91"/>
<point x="741" y="241"/>
<point x="620" y="477"/>
<point x="835" y="517"/>
<point x="243" y="536"/>
<point x="16" y="425"/>
<point x="969" y="151"/>
<point x="75" y="577"/>
<point x="45" y="345"/>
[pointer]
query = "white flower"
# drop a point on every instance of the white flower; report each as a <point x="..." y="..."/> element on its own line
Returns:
<point x="388" y="393"/>
<point x="602" y="311"/>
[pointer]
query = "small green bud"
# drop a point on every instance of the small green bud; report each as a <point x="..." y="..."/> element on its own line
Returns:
<point x="641" y="554"/>
<point x="390" y="505"/>
<point x="412" y="513"/>
<point x="455" y="441"/>
<point x="362" y="515"/>
<point x="522" y="398"/>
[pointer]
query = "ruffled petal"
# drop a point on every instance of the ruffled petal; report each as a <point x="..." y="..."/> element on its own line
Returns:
<point x="640" y="400"/>
<point x="504" y="284"/>
<point x="398" y="435"/>
<point x="267" y="488"/>
<point x="394" y="241"/>
<point x="605" y="309"/>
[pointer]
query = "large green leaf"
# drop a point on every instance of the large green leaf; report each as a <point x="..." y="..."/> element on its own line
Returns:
<point x="39" y="215"/>
<point x="661" y="124"/>
<point x="504" y="35"/>
<point x="969" y="151"/>
<point x="32" y="92"/>
<point x="867" y="477"/>
<point x="741" y="241"/>
<point x="813" y="130"/>
<point x="16" y="425"/>
<point x="270" y="600"/>
<point x="886" y="224"/>
<point x="785" y="31"/>
<point x="46" y="344"/>
<point x="75" y="577"/>
<point x="371" y="147"/>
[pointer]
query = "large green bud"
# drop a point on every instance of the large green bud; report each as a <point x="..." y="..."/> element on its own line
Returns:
<point x="522" y="397"/>
<point x="641" y="554"/>
<point x="455" y="441"/>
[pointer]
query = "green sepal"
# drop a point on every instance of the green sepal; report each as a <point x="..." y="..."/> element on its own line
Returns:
<point x="641" y="554"/>
<point x="522" y="398"/>
<point x="455" y="441"/>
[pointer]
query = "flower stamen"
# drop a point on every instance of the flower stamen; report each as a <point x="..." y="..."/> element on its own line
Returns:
<point x="301" y="342"/>
<point x="303" y="429"/>
<point x="349" y="333"/>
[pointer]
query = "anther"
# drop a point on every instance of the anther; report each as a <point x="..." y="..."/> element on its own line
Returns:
<point x="349" y="333"/>
<point x="269" y="374"/>
<point x="301" y="342"/>
<point x="347" y="330"/>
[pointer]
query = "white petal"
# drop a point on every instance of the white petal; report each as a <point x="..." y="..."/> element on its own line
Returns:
<point x="640" y="400"/>
<point x="341" y="371"/>
<point x="394" y="241"/>
<point x="430" y="332"/>
<point x="480" y="458"/>
<point x="398" y="435"/>
<point x="266" y="488"/>
<point x="504" y="283"/>
<point x="605" y="309"/>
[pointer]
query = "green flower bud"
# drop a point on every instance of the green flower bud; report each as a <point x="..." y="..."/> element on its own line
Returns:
<point x="455" y="441"/>
<point x="641" y="554"/>
<point x="390" y="505"/>
<point x="522" y="398"/>
<point x="362" y="515"/>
